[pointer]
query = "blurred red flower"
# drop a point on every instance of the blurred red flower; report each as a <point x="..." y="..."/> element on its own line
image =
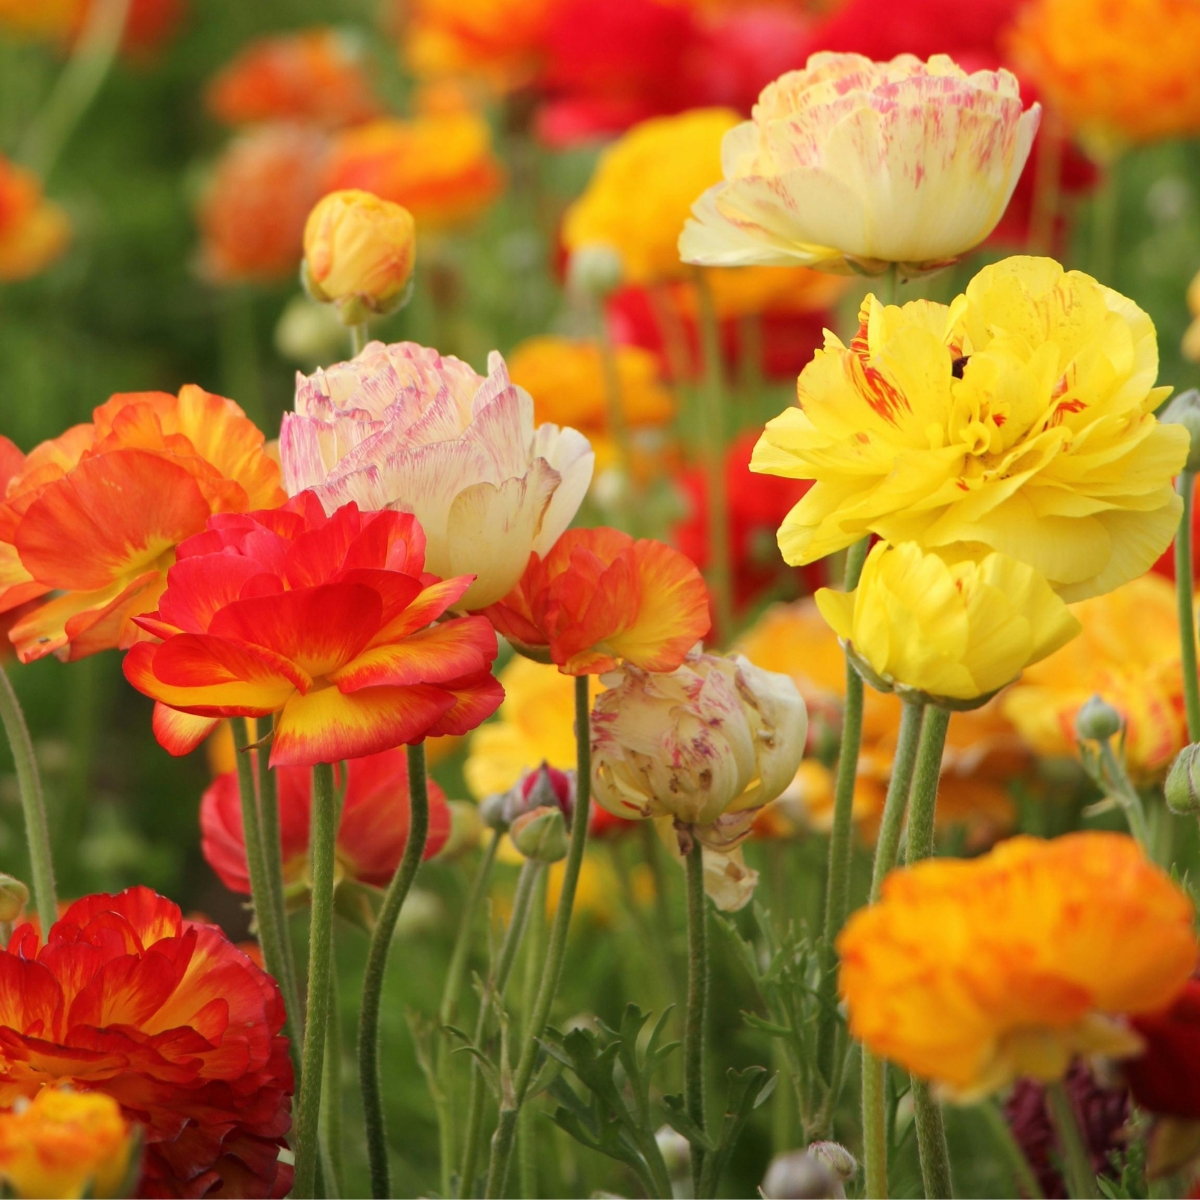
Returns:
<point x="371" y="837"/>
<point x="326" y="620"/>
<point x="1166" y="564"/>
<point x="1165" y="1079"/>
<point x="169" y="1018"/>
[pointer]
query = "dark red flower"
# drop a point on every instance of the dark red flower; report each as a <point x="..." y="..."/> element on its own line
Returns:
<point x="1166" y="1078"/>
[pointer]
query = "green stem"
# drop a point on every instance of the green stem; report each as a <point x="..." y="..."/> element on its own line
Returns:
<point x="613" y="400"/>
<point x="931" y="1142"/>
<point x="77" y="86"/>
<point x="1184" y="592"/>
<point x="1022" y="1172"/>
<point x="33" y="805"/>
<point x="875" y="1132"/>
<point x="322" y="852"/>
<point x="922" y="802"/>
<point x="237" y="345"/>
<point x="526" y="889"/>
<point x="1129" y="798"/>
<point x="713" y="429"/>
<point x="1105" y="201"/>
<point x="359" y="336"/>
<point x="1077" y="1166"/>
<point x="332" y="1136"/>
<point x="377" y="956"/>
<point x="697" y="1001"/>
<point x="510" y="1104"/>
<point x="535" y="945"/>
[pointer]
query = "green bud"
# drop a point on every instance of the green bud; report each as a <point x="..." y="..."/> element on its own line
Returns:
<point x="1097" y="721"/>
<point x="1183" y="781"/>
<point x="1185" y="410"/>
<point x="541" y="834"/>
<point x="595" y="270"/>
<point x="14" y="896"/>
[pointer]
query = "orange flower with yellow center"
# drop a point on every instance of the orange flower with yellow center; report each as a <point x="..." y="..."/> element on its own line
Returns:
<point x="33" y="231"/>
<point x="95" y="515"/>
<point x="1128" y="654"/>
<point x="971" y="973"/>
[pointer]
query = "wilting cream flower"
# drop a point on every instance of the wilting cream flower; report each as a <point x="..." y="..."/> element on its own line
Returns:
<point x="401" y="427"/>
<point x="1020" y="419"/>
<point x="952" y="630"/>
<point x="705" y="745"/>
<point x="850" y="164"/>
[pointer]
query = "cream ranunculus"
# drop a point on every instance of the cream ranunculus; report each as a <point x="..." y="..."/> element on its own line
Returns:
<point x="850" y="164"/>
<point x="707" y="744"/>
<point x="402" y="427"/>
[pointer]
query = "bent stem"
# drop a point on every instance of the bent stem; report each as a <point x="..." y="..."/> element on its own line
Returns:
<point x="1023" y="1173"/>
<point x="1184" y="594"/>
<point x="377" y="956"/>
<point x="1077" y="1166"/>
<point x="33" y="805"/>
<point x="697" y="1001"/>
<point x="322" y="842"/>
<point x="510" y="1104"/>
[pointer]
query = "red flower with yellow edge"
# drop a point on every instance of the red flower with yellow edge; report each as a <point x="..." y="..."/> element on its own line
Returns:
<point x="599" y="597"/>
<point x="33" y="230"/>
<point x="315" y="75"/>
<point x="325" y="620"/>
<point x="94" y="516"/>
<point x="371" y="838"/>
<point x="168" y="1018"/>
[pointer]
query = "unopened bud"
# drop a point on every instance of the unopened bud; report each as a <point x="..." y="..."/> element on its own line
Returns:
<point x="1097" y="721"/>
<point x="676" y="1151"/>
<point x="549" y="786"/>
<point x="493" y="811"/>
<point x="465" y="829"/>
<point x="1185" y="410"/>
<point x="14" y="896"/>
<point x="595" y="270"/>
<point x="541" y="834"/>
<point x="837" y="1158"/>
<point x="799" y="1175"/>
<point x="1183" y="781"/>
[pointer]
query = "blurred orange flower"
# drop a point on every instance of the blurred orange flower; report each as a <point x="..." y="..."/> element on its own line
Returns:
<point x="971" y="973"/>
<point x="95" y="515"/>
<point x="1128" y="654"/>
<point x="315" y="75"/>
<point x="33" y="230"/>
<point x="439" y="165"/>
<point x="1118" y="71"/>
<point x="148" y="24"/>
<point x="253" y="211"/>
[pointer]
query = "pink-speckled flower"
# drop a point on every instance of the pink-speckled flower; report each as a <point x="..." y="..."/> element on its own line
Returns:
<point x="852" y="165"/>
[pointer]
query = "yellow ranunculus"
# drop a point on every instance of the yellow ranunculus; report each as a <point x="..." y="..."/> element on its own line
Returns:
<point x="972" y="973"/>
<point x="1019" y="419"/>
<point x="953" y="630"/>
<point x="850" y="165"/>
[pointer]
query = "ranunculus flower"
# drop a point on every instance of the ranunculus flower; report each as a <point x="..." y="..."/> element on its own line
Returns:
<point x="401" y="427"/>
<point x="953" y="630"/>
<point x="1020" y="418"/>
<point x="1165" y="1077"/>
<point x="172" y="1021"/>
<point x="323" y="620"/>
<point x="371" y="837"/>
<point x="971" y="973"/>
<point x="600" y="597"/>
<point x="315" y="76"/>
<point x="92" y="518"/>
<point x="705" y="745"/>
<point x="854" y="165"/>
<point x="33" y="230"/>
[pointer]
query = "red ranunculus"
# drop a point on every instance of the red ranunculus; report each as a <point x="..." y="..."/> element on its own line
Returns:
<point x="1166" y="1078"/>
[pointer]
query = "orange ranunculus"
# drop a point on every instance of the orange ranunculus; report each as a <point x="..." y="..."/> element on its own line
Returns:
<point x="253" y="210"/>
<point x="33" y="231"/>
<point x="326" y="621"/>
<point x="371" y="837"/>
<point x="168" y="1018"/>
<point x="440" y="166"/>
<point x="95" y="515"/>
<point x="970" y="973"/>
<point x="147" y="25"/>
<point x="599" y="597"/>
<point x="315" y="75"/>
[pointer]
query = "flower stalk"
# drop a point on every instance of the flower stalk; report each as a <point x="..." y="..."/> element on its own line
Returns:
<point x="697" y="1001"/>
<point x="1185" y="595"/>
<point x="1077" y="1166"/>
<point x="1023" y="1174"/>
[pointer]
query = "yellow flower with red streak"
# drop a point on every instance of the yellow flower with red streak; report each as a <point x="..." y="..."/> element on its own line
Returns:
<point x="33" y="230"/>
<point x="971" y="973"/>
<point x="1018" y="419"/>
<point x="1074" y="49"/>
<point x="171" y="1020"/>
<point x="94" y="516"/>
<point x="439" y="165"/>
<point x="1128" y="654"/>
<point x="65" y="1143"/>
<point x="316" y="75"/>
<point x="326" y="621"/>
<point x="599" y="597"/>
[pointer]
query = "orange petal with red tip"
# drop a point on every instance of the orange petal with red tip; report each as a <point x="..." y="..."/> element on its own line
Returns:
<point x="263" y="693"/>
<point x="458" y="648"/>
<point x="179" y="733"/>
<point x="474" y="701"/>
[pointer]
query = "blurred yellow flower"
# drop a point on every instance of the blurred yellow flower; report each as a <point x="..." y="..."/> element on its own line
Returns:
<point x="642" y="189"/>
<point x="1191" y="339"/>
<point x="850" y="165"/>
<point x="1118" y="70"/>
<point x="1128" y="654"/>
<point x="565" y="377"/>
<point x="745" y="291"/>
<point x="1020" y="419"/>
<point x="954" y="630"/>
<point x="971" y="973"/>
<point x="33" y="230"/>
<point x="65" y="1143"/>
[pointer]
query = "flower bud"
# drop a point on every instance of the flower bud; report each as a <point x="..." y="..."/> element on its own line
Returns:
<point x="493" y="811"/>
<point x="676" y="1151"/>
<point x="1183" y="781"/>
<point x="595" y="270"/>
<point x="541" y="834"/>
<point x="359" y="252"/>
<point x="14" y="896"/>
<point x="1097" y="721"/>
<point x="466" y="828"/>
<point x="837" y="1158"/>
<point x="1185" y="410"/>
<point x="799" y="1175"/>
